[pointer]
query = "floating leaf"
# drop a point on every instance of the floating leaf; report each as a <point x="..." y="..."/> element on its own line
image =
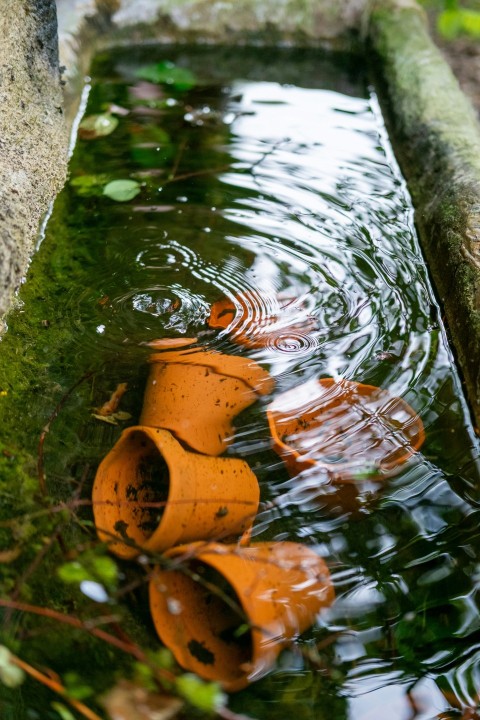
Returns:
<point x="122" y="190"/>
<point x="167" y="73"/>
<point x="95" y="126"/>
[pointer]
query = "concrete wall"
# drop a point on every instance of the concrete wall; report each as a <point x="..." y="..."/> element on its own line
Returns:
<point x="33" y="133"/>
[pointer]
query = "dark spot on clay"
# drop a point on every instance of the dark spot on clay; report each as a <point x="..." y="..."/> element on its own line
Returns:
<point x="121" y="527"/>
<point x="221" y="512"/>
<point x="200" y="652"/>
<point x="132" y="492"/>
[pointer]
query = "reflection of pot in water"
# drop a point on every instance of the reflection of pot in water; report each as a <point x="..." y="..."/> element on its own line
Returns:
<point x="149" y="493"/>
<point x="227" y="612"/>
<point x="196" y="394"/>
<point x="354" y="431"/>
<point x="256" y="322"/>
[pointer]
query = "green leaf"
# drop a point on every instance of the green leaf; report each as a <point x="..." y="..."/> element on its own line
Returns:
<point x="73" y="572"/>
<point x="89" y="566"/>
<point x="452" y="22"/>
<point x="105" y="569"/>
<point x="471" y="22"/>
<point x="167" y="73"/>
<point x="63" y="711"/>
<point x="89" y="184"/>
<point x="95" y="126"/>
<point x="76" y="687"/>
<point x="204" y="696"/>
<point x="122" y="190"/>
<point x="449" y="24"/>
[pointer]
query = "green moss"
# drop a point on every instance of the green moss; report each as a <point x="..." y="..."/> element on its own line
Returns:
<point x="433" y="121"/>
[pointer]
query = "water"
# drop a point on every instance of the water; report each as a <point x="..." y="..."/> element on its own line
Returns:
<point x="271" y="185"/>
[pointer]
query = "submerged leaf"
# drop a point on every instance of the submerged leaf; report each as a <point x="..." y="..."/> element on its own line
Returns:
<point x="110" y="419"/>
<point x="63" y="711"/>
<point x="122" y="190"/>
<point x="95" y="126"/>
<point x="109" y="407"/>
<point x="129" y="701"/>
<point x="206" y="696"/>
<point x="167" y="73"/>
<point x="88" y="184"/>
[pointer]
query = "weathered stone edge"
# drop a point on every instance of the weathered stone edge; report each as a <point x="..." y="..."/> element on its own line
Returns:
<point x="33" y="133"/>
<point x="437" y="138"/>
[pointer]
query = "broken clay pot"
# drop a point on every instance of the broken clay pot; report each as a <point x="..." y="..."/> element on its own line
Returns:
<point x="353" y="431"/>
<point x="150" y="494"/>
<point x="226" y="612"/>
<point x="197" y="393"/>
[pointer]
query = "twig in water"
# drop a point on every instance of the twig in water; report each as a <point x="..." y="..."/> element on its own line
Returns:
<point x="56" y="687"/>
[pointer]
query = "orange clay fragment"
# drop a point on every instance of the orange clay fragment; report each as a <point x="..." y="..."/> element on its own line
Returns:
<point x="234" y="609"/>
<point x="272" y="328"/>
<point x="168" y="343"/>
<point x="196" y="394"/>
<point x="150" y="494"/>
<point x="352" y="430"/>
<point x="111" y="405"/>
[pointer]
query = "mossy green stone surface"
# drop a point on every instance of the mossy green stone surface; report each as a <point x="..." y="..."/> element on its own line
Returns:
<point x="438" y="143"/>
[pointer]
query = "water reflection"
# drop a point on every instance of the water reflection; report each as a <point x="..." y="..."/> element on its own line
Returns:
<point x="279" y="204"/>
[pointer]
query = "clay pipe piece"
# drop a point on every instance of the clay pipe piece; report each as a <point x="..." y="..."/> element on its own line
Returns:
<point x="226" y="612"/>
<point x="351" y="430"/>
<point x="197" y="394"/>
<point x="150" y="494"/>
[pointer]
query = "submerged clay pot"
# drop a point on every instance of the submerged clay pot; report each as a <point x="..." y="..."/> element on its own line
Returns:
<point x="227" y="612"/>
<point x="150" y="494"/>
<point x="196" y="394"/>
<point x="257" y="324"/>
<point x="353" y="431"/>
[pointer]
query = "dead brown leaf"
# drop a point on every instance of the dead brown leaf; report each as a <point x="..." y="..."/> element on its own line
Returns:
<point x="128" y="701"/>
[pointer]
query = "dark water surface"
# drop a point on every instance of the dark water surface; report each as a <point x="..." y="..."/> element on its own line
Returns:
<point x="273" y="178"/>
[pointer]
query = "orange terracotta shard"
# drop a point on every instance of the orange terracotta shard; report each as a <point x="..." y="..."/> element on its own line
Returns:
<point x="226" y="612"/>
<point x="350" y="429"/>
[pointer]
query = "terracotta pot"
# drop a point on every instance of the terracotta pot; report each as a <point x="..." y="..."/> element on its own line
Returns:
<point x="230" y="614"/>
<point x="250" y="321"/>
<point x="352" y="430"/>
<point x="151" y="494"/>
<point x="197" y="393"/>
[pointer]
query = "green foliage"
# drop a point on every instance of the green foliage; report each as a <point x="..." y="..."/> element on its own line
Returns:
<point x="167" y="73"/>
<point x="90" y="566"/>
<point x="454" y="19"/>
<point x="460" y="21"/>
<point x="205" y="696"/>
<point x="76" y="687"/>
<point x="63" y="711"/>
<point x="122" y="190"/>
<point x="144" y="674"/>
